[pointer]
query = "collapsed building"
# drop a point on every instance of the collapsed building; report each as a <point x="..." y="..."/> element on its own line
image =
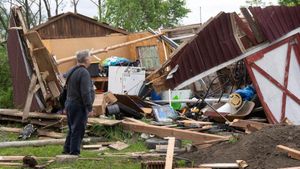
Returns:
<point x="237" y="71"/>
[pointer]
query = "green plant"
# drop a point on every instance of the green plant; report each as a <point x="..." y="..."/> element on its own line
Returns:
<point x="111" y="132"/>
<point x="233" y="139"/>
<point x="6" y="90"/>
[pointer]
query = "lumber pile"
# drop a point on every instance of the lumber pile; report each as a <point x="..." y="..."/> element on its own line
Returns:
<point x="48" y="120"/>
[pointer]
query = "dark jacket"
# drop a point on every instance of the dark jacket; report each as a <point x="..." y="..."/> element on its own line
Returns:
<point x="80" y="88"/>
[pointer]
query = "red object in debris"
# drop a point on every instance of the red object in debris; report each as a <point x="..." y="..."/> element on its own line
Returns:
<point x="275" y="72"/>
<point x="276" y="21"/>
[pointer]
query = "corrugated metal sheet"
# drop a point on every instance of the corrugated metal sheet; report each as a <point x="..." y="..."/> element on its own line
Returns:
<point x="213" y="45"/>
<point x="19" y="68"/>
<point x="276" y="21"/>
<point x="70" y="25"/>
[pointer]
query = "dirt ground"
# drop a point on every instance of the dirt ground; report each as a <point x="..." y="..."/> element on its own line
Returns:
<point x="257" y="149"/>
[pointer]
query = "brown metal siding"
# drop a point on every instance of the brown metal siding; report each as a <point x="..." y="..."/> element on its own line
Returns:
<point x="276" y="21"/>
<point x="18" y="70"/>
<point x="213" y="45"/>
<point x="73" y="27"/>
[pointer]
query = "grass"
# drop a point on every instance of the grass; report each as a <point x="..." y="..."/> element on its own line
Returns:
<point x="6" y="95"/>
<point x="136" y="145"/>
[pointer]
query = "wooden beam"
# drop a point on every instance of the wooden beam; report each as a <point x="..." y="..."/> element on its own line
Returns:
<point x="253" y="26"/>
<point x="35" y="115"/>
<point x="170" y="153"/>
<point x="17" y="113"/>
<point x="293" y="153"/>
<point x="67" y="59"/>
<point x="196" y="137"/>
<point x="244" y="123"/>
<point x="220" y="165"/>
<point x="31" y="90"/>
<point x="11" y="164"/>
<point x="43" y="142"/>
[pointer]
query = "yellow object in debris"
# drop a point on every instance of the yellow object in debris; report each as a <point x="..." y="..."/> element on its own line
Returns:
<point x="235" y="100"/>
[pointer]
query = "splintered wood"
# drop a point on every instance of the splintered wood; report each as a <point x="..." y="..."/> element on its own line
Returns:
<point x="170" y="153"/>
<point x="295" y="154"/>
<point x="196" y="137"/>
<point x="118" y="145"/>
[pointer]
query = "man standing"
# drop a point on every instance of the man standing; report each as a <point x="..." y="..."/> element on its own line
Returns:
<point x="80" y="98"/>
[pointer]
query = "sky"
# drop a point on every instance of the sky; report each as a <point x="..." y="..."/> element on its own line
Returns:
<point x="209" y="8"/>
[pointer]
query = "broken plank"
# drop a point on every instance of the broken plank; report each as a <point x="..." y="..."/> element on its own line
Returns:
<point x="11" y="129"/>
<point x="105" y="122"/>
<point x="193" y="123"/>
<point x="244" y="123"/>
<point x="53" y="89"/>
<point x="129" y="119"/>
<point x="43" y="142"/>
<point x="10" y="164"/>
<point x="194" y="168"/>
<point x="17" y="113"/>
<point x="253" y="26"/>
<point x="29" y="98"/>
<point x="196" y="137"/>
<point x="97" y="146"/>
<point x="118" y="145"/>
<point x="219" y="165"/>
<point x="32" y="121"/>
<point x="34" y="38"/>
<point x="51" y="134"/>
<point x="293" y="153"/>
<point x="170" y="153"/>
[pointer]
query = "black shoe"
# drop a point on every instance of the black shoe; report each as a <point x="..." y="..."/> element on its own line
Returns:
<point x="65" y="152"/>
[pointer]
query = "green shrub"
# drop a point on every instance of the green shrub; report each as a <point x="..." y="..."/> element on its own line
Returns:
<point x="6" y="98"/>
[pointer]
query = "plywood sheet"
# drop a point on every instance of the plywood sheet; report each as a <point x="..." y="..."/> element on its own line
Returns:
<point x="63" y="48"/>
<point x="150" y="42"/>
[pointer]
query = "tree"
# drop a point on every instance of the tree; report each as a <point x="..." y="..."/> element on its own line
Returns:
<point x="4" y="16"/>
<point x="48" y="7"/>
<point x="255" y="3"/>
<point x="289" y="2"/>
<point x="101" y="8"/>
<point x="74" y="3"/>
<point x="58" y="4"/>
<point x="137" y="15"/>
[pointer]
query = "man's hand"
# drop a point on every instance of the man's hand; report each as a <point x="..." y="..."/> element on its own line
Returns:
<point x="91" y="114"/>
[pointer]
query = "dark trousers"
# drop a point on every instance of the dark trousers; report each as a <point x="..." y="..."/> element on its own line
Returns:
<point x="77" y="119"/>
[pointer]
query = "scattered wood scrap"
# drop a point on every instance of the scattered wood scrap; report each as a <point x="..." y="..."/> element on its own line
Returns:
<point x="44" y="142"/>
<point x="170" y="153"/>
<point x="293" y="153"/>
<point x="40" y="132"/>
<point x="10" y="164"/>
<point x="118" y="145"/>
<point x="48" y="119"/>
<point x="243" y="124"/>
<point x="97" y="146"/>
<point x="196" y="137"/>
<point x="239" y="164"/>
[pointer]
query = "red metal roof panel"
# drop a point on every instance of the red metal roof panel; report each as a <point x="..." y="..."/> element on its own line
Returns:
<point x="276" y="21"/>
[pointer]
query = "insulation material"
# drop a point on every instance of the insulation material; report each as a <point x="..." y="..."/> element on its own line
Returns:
<point x="275" y="73"/>
<point x="62" y="48"/>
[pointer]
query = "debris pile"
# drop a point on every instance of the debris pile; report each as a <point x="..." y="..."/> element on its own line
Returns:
<point x="257" y="149"/>
<point x="235" y="76"/>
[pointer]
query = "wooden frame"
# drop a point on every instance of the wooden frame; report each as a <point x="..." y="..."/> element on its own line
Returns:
<point x="292" y="43"/>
